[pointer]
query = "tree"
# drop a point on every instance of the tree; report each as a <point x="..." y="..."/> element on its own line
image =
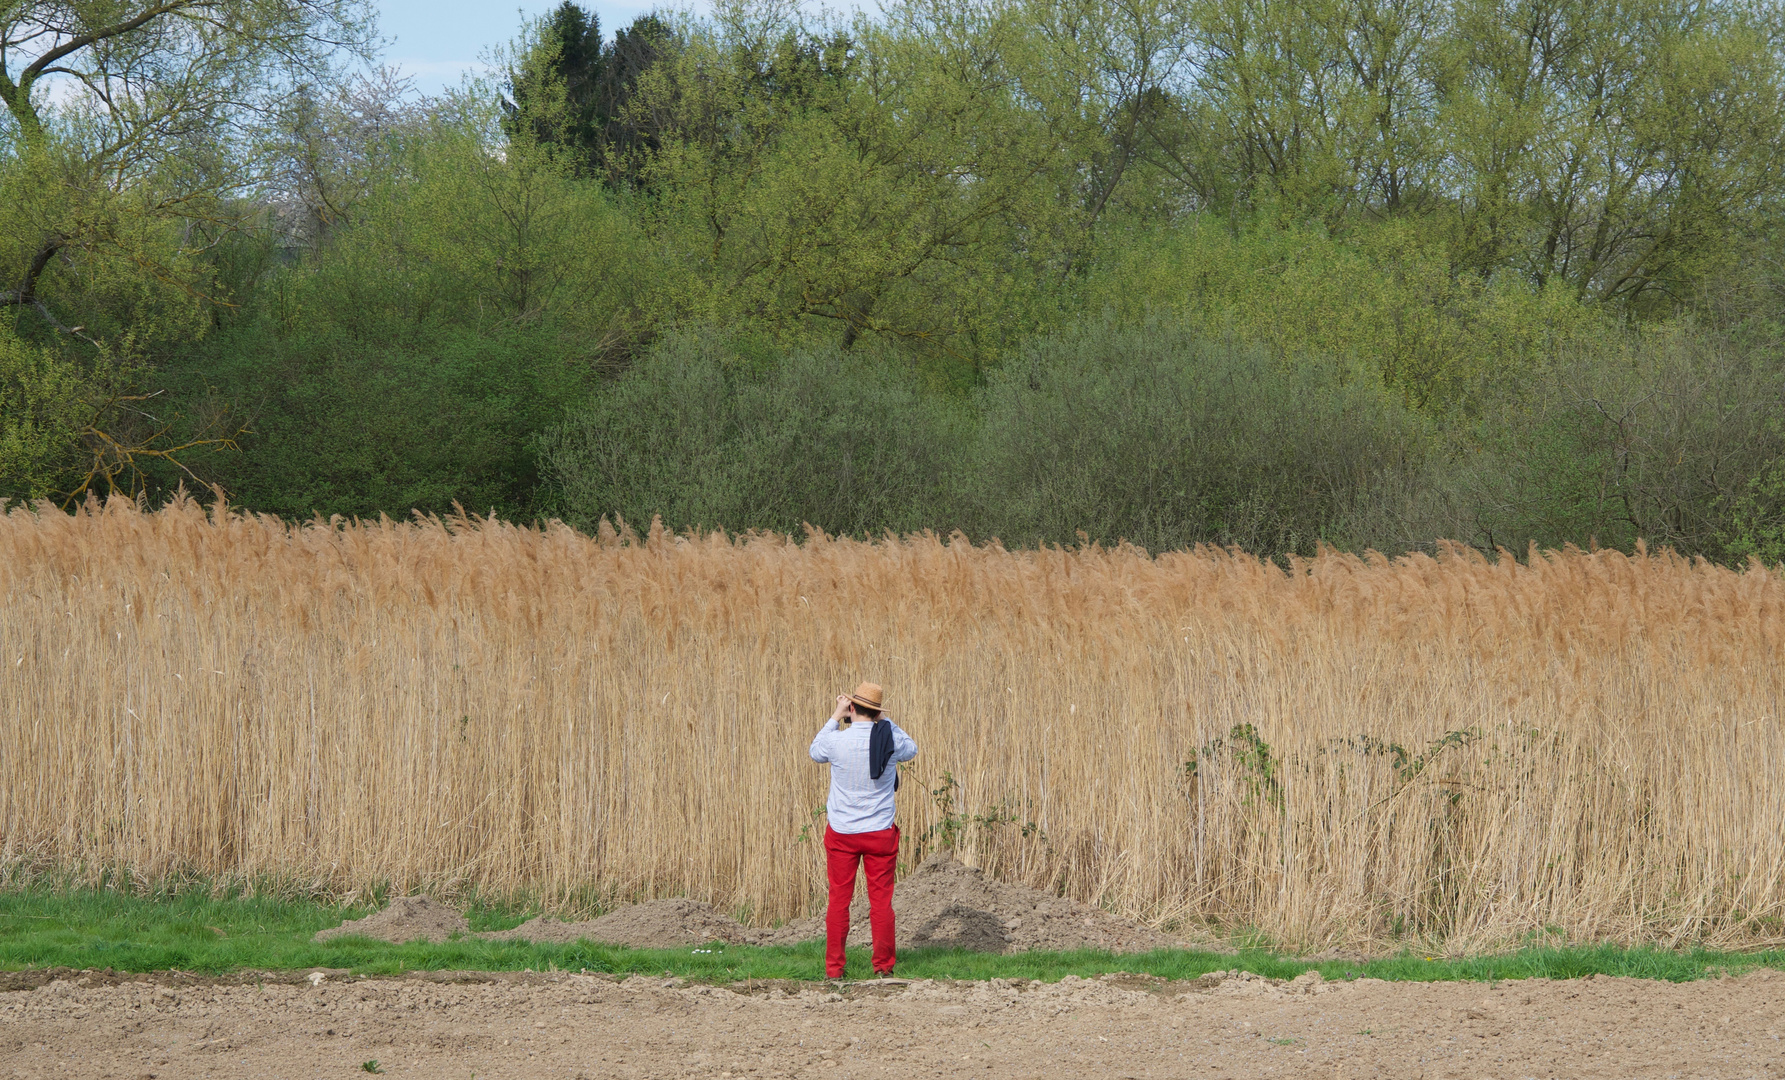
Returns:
<point x="113" y="184"/>
<point x="335" y="146"/>
<point x="160" y="102"/>
<point x="578" y="94"/>
<point x="629" y="133"/>
<point x="889" y="182"/>
<point x="1615" y="147"/>
<point x="1101" y="71"/>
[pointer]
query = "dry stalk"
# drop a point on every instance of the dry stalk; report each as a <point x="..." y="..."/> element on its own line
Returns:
<point x="1457" y="748"/>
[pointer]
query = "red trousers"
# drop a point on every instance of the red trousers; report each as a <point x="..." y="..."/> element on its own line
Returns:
<point x="879" y="850"/>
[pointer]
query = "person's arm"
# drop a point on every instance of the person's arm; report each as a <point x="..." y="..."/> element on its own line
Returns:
<point x="820" y="753"/>
<point x="904" y="747"/>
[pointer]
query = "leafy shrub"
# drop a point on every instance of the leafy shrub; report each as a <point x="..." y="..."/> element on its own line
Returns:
<point x="1146" y="435"/>
<point x="1155" y="436"/>
<point x="341" y="422"/>
<point x="41" y="411"/>
<point x="697" y="436"/>
<point x="1674" y="437"/>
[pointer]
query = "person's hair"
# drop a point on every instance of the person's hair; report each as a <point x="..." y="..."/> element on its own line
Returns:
<point x="864" y="712"/>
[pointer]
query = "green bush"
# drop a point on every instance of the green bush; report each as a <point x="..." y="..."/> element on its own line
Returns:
<point x="1146" y="435"/>
<point x="42" y="410"/>
<point x="415" y="418"/>
<point x="699" y="436"/>
<point x="405" y="360"/>
<point x="1155" y="436"/>
<point x="1672" y="436"/>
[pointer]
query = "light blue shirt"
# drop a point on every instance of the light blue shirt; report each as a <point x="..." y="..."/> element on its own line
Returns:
<point x="857" y="802"/>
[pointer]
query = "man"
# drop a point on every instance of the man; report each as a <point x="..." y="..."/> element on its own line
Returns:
<point x="860" y="825"/>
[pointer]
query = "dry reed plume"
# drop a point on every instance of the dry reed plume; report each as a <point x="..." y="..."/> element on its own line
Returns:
<point x="1456" y="748"/>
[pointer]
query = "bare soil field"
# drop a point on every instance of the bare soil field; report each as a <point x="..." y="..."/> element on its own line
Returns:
<point x="464" y="1025"/>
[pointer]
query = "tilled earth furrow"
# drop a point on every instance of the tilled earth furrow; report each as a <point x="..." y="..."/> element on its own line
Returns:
<point x="572" y="1025"/>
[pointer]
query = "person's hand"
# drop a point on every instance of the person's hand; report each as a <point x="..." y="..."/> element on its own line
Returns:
<point x="842" y="707"/>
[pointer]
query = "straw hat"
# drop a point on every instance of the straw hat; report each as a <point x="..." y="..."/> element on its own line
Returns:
<point x="867" y="695"/>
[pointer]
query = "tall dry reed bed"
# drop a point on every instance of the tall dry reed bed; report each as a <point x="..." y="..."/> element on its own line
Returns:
<point x="1454" y="748"/>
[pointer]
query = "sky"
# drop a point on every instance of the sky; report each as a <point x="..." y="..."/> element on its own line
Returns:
<point x="434" y="42"/>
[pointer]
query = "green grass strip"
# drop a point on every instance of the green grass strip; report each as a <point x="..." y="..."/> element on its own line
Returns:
<point x="197" y="933"/>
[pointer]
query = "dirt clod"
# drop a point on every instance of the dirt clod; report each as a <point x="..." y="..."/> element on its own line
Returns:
<point x="958" y="926"/>
<point x="654" y="924"/>
<point x="407" y="918"/>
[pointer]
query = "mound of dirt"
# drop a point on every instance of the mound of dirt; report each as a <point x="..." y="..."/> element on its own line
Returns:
<point x="947" y="904"/>
<point x="942" y="904"/>
<point x="654" y="924"/>
<point x="407" y="918"/>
